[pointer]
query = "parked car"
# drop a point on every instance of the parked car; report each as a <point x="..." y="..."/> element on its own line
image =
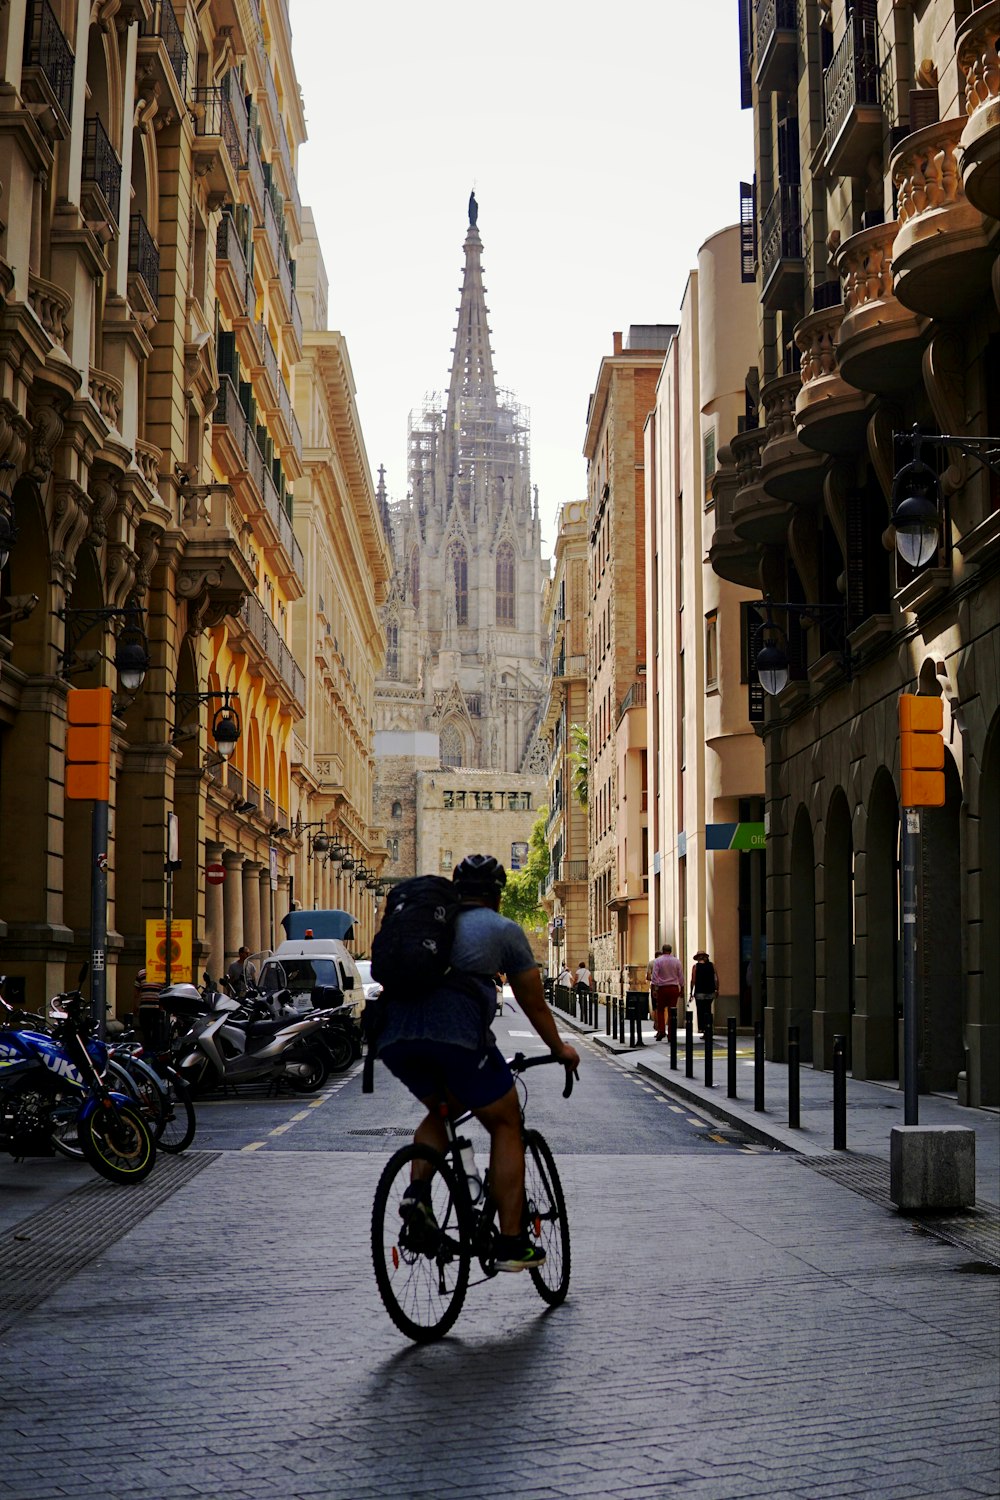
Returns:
<point x="371" y="986"/>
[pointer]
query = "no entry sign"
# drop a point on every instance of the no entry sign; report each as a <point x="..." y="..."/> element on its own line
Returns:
<point x="215" y="874"/>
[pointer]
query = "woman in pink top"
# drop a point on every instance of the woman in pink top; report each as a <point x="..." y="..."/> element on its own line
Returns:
<point x="666" y="981"/>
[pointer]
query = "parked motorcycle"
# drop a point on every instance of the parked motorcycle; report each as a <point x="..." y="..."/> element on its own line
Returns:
<point x="339" y="1037"/>
<point x="53" y="1097"/>
<point x="226" y="1042"/>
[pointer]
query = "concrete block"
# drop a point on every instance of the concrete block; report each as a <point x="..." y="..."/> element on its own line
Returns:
<point x="932" y="1167"/>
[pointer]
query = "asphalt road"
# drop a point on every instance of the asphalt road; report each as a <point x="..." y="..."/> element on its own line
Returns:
<point x="612" y="1110"/>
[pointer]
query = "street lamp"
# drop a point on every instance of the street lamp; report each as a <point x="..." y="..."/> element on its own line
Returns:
<point x="317" y="843"/>
<point x="918" y="509"/>
<point x="131" y="658"/>
<point x="225" y="719"/>
<point x="771" y="660"/>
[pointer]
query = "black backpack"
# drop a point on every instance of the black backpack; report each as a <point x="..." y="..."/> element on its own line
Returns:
<point x="411" y="952"/>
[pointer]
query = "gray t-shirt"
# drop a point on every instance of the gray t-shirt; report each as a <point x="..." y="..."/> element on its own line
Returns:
<point x="485" y="944"/>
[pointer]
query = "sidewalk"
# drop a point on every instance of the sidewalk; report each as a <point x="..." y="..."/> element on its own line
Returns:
<point x="872" y="1108"/>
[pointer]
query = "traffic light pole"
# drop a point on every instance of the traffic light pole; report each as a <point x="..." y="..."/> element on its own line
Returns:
<point x="99" y="914"/>
<point x="910" y="852"/>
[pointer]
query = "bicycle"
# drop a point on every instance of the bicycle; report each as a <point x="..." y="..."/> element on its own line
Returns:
<point x="423" y="1270"/>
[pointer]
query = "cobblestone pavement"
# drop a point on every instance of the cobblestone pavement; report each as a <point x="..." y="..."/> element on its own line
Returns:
<point x="736" y="1327"/>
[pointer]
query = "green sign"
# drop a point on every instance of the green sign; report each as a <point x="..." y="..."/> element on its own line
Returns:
<point x="742" y="836"/>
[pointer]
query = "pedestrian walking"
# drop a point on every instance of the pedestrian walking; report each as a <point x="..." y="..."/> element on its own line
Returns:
<point x="584" y="978"/>
<point x="237" y="974"/>
<point x="666" y="985"/>
<point x="704" y="988"/>
<point x="565" y="978"/>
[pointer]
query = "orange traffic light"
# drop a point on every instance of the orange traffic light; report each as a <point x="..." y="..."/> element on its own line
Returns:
<point x="88" y="744"/>
<point x="921" y="750"/>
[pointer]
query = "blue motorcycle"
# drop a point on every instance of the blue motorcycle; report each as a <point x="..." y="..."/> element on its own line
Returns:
<point x="53" y="1097"/>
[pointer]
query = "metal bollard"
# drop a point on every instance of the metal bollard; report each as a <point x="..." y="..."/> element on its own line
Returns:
<point x="607" y="1015"/>
<point x="689" y="1045"/>
<point x="672" y="1035"/>
<point x="731" y="1056"/>
<point x="793" y="1078"/>
<point x="840" y="1093"/>
<point x="758" y="1066"/>
<point x="709" y="1053"/>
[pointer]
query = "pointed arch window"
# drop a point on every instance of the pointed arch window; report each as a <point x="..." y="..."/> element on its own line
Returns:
<point x="392" y="653"/>
<point x="415" y="577"/>
<point x="505" y="584"/>
<point x="460" y="569"/>
<point x="451" y="745"/>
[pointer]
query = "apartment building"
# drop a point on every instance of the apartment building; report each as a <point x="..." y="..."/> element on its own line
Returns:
<point x="565" y="895"/>
<point x="705" y="763"/>
<point x="618" y="835"/>
<point x="150" y="331"/>
<point x="871" y="239"/>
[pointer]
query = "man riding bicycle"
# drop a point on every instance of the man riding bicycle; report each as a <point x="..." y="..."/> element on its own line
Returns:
<point x="441" y="1047"/>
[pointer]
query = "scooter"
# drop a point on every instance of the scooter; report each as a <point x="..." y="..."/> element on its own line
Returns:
<point x="228" y="1042"/>
<point x="339" y="1037"/>
<point x="52" y="1091"/>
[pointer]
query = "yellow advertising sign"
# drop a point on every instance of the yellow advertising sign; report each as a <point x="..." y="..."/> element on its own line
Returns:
<point x="180" y="952"/>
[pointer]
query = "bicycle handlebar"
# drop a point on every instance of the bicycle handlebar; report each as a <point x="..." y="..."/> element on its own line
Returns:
<point x="519" y="1064"/>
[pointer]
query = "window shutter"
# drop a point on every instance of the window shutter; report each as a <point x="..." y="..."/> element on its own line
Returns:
<point x="748" y="231"/>
<point x="746" y="54"/>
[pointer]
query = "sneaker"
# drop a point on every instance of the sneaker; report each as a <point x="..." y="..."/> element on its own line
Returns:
<point x="415" y="1205"/>
<point x="515" y="1253"/>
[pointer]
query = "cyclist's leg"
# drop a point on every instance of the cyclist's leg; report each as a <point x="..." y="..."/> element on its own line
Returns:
<point x="503" y="1121"/>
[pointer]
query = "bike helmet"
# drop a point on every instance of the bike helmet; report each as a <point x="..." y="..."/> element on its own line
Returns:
<point x="480" y="872"/>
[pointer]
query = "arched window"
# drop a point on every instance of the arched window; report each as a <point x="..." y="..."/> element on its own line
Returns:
<point x="505" y="584"/>
<point x="397" y="809"/>
<point x="415" y="577"/>
<point x="451" y="746"/>
<point x="460" y="568"/>
<point x="392" y="652"/>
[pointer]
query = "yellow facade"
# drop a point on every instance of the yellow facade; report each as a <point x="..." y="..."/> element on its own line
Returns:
<point x="149" y="338"/>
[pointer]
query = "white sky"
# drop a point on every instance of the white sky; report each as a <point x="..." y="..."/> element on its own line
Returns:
<point x="605" y="144"/>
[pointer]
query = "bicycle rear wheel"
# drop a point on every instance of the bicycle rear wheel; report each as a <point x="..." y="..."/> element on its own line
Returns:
<point x="177" y="1130"/>
<point x="547" y="1222"/>
<point x="422" y="1269"/>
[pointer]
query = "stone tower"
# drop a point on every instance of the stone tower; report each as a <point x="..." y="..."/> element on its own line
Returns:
<point x="463" y="618"/>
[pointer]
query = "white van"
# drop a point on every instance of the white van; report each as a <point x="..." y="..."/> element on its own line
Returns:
<point x="314" y="960"/>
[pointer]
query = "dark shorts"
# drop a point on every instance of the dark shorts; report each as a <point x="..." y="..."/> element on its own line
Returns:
<point x="428" y="1068"/>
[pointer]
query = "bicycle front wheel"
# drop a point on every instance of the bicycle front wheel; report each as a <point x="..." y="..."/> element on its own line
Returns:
<point x="547" y="1222"/>
<point x="177" y="1130"/>
<point x="421" y="1263"/>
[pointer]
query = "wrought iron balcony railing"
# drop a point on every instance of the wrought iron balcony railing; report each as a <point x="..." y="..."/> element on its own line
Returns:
<point x="47" y="49"/>
<point x="214" y="117"/>
<point x="852" y="77"/>
<point x="781" y="229"/>
<point x="101" y="164"/>
<point x="163" y="23"/>
<point x="143" y="255"/>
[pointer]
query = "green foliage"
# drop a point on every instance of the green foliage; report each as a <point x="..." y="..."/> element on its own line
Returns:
<point x="579" y="759"/>
<point x="520" y="894"/>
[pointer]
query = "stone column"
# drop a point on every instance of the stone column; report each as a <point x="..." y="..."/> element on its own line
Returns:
<point x="251" y="905"/>
<point x="266" y="938"/>
<point x="232" y="903"/>
<point x="215" y="918"/>
<point x="281" y="906"/>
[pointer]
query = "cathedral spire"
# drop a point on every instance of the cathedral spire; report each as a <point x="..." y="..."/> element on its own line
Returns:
<point x="472" y="365"/>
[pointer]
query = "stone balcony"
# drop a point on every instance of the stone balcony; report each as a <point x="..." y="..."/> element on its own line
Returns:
<point x="757" y="516"/>
<point x="880" y="341"/>
<point x="830" y="414"/>
<point x="216" y="566"/>
<point x="731" y="556"/>
<point x="788" y="469"/>
<point x="941" y="256"/>
<point x="979" y="147"/>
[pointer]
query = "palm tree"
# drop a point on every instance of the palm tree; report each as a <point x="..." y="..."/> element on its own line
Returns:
<point x="579" y="758"/>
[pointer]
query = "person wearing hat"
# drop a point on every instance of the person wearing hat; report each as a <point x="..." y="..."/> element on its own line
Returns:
<point x="704" y="988"/>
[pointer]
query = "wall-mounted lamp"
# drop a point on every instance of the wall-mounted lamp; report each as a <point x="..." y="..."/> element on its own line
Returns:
<point x="225" y="726"/>
<point x="131" y="658"/>
<point x="244" y="806"/>
<point x="770" y="649"/>
<point x="918" y="509"/>
<point x="318" y="843"/>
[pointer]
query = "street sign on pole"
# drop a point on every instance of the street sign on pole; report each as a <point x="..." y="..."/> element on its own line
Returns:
<point x="742" y="836"/>
<point x="215" y="874"/>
